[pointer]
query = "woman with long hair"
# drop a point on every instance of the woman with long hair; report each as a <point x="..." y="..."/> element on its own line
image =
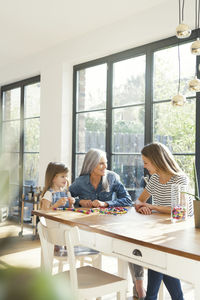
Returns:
<point x="164" y="171"/>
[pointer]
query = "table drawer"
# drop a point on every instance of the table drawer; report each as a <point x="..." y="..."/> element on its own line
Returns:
<point x="143" y="254"/>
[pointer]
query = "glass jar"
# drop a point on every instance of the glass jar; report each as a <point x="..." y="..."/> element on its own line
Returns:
<point x="179" y="202"/>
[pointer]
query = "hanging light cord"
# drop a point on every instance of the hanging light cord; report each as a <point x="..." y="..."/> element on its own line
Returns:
<point x="179" y="69"/>
<point x="181" y="11"/>
<point x="198" y="9"/>
<point x="197" y="13"/>
<point x="183" y="4"/>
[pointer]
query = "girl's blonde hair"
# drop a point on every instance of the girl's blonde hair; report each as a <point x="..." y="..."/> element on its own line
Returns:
<point x="162" y="159"/>
<point x="52" y="170"/>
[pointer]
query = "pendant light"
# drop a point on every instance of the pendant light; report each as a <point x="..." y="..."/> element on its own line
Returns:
<point x="194" y="84"/>
<point x="195" y="47"/>
<point x="182" y="30"/>
<point x="179" y="99"/>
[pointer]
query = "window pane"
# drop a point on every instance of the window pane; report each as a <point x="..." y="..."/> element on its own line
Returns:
<point x="11" y="163"/>
<point x="175" y="126"/>
<point x="11" y="104"/>
<point x="32" y="100"/>
<point x="129" y="81"/>
<point x="166" y="68"/>
<point x="130" y="169"/>
<point x="91" y="88"/>
<point x="128" y="129"/>
<point x="32" y="135"/>
<point x="186" y="163"/>
<point x="14" y="196"/>
<point x="11" y="136"/>
<point x="79" y="163"/>
<point x="91" y="131"/>
<point x="31" y="167"/>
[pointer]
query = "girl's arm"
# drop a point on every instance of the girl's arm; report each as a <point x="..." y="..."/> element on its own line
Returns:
<point x="46" y="204"/>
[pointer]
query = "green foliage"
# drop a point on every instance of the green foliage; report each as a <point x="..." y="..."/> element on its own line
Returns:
<point x="92" y="124"/>
<point x="23" y="284"/>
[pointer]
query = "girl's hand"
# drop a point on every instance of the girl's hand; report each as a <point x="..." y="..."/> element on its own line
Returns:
<point x="97" y="203"/>
<point x="85" y="203"/>
<point x="61" y="202"/>
<point x="71" y="201"/>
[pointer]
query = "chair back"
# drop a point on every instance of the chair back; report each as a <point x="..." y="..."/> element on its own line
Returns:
<point x="60" y="235"/>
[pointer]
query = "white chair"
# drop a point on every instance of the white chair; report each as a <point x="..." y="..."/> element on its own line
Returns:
<point x="83" y="254"/>
<point x="86" y="282"/>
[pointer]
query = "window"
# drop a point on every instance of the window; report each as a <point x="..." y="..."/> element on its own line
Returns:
<point x="175" y="126"/>
<point x="20" y="106"/>
<point x="123" y="101"/>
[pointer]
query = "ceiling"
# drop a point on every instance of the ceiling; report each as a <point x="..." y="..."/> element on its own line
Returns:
<point x="31" y="26"/>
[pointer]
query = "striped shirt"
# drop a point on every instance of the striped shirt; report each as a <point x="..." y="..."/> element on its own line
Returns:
<point x="161" y="193"/>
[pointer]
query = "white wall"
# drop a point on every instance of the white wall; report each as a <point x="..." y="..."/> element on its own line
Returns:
<point x="56" y="68"/>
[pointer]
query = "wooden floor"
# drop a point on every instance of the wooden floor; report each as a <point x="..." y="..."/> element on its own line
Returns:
<point x="25" y="251"/>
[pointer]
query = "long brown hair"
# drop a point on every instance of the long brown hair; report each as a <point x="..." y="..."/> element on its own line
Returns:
<point x="162" y="159"/>
<point x="52" y="170"/>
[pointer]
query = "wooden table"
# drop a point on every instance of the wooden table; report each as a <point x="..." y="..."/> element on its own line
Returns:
<point x="173" y="249"/>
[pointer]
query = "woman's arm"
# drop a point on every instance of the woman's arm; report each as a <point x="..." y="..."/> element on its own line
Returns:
<point x="140" y="205"/>
<point x="161" y="209"/>
<point x="120" y="195"/>
<point x="143" y="198"/>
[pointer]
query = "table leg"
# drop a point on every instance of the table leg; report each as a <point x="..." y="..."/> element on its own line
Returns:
<point x="122" y="271"/>
<point x="34" y="220"/>
<point x="22" y="217"/>
<point x="161" y="295"/>
<point x="197" y="290"/>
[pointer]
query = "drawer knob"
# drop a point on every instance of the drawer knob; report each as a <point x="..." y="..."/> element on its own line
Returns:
<point x="137" y="252"/>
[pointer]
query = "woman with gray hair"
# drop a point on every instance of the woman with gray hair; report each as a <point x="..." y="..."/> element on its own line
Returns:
<point x="98" y="187"/>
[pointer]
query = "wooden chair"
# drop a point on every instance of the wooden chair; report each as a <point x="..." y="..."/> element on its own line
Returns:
<point x="83" y="255"/>
<point x="86" y="282"/>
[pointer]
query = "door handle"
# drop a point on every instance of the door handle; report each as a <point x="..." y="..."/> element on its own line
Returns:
<point x="137" y="252"/>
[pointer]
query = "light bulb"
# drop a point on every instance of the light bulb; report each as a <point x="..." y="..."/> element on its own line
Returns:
<point x="183" y="31"/>
<point x="195" y="47"/>
<point x="194" y="85"/>
<point x="178" y="100"/>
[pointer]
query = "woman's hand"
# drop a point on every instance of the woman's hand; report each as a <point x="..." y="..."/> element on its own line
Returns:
<point x="144" y="208"/>
<point x="85" y="203"/>
<point x="71" y="201"/>
<point x="97" y="203"/>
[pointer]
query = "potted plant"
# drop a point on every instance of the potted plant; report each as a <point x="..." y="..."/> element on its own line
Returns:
<point x="196" y="200"/>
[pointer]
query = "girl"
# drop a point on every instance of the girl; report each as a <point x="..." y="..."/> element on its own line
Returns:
<point x="55" y="193"/>
<point x="165" y="171"/>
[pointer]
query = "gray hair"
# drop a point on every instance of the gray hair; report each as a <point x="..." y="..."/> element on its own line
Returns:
<point x="92" y="159"/>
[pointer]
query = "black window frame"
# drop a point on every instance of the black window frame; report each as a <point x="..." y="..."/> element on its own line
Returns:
<point x="148" y="50"/>
<point x="22" y="85"/>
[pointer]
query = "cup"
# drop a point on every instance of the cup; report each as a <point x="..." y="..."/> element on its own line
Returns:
<point x="179" y="203"/>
